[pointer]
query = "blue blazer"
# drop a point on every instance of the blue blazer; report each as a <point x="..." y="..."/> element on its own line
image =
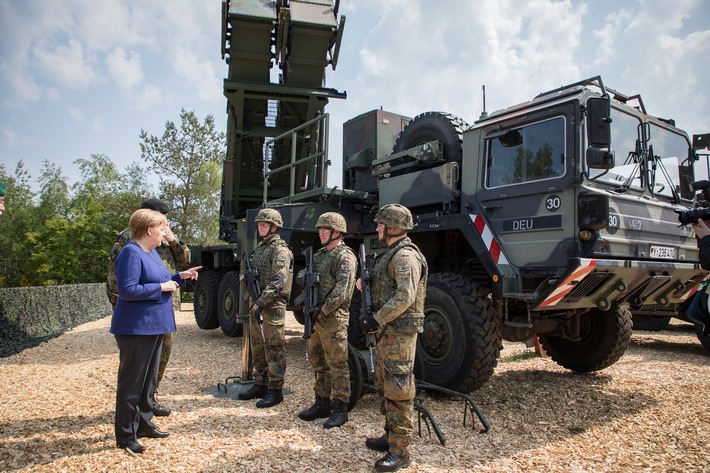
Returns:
<point x="142" y="308"/>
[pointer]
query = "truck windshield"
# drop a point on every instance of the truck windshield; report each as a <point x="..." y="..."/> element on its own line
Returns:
<point x="663" y="170"/>
<point x="530" y="153"/>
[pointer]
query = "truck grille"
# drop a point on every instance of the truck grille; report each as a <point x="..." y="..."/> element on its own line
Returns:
<point x="588" y="286"/>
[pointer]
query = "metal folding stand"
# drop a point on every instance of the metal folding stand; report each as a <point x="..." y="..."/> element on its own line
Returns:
<point x="469" y="407"/>
<point x="247" y="377"/>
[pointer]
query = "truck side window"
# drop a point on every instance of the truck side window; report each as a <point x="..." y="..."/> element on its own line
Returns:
<point x="536" y="152"/>
<point x="672" y="150"/>
<point x="624" y="137"/>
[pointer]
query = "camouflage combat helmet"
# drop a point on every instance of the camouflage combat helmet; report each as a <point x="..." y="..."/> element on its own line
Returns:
<point x="332" y="220"/>
<point x="395" y="216"/>
<point x="270" y="216"/>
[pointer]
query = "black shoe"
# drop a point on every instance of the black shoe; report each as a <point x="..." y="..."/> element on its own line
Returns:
<point x="380" y="444"/>
<point x="319" y="410"/>
<point x="153" y="433"/>
<point x="160" y="411"/>
<point x="392" y="462"/>
<point x="135" y="447"/>
<point x="339" y="415"/>
<point x="271" y="398"/>
<point x="256" y="391"/>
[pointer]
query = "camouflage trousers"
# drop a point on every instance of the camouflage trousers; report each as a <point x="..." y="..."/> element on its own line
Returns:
<point x="328" y="354"/>
<point x="269" y="355"/>
<point x="165" y="355"/>
<point x="394" y="376"/>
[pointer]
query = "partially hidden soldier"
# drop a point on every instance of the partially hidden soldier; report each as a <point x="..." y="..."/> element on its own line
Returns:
<point x="3" y="191"/>
<point x="336" y="265"/>
<point x="176" y="256"/>
<point x="698" y="312"/>
<point x="398" y="289"/>
<point x="274" y="261"/>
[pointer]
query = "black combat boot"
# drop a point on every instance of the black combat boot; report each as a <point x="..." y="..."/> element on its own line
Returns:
<point x="271" y="398"/>
<point x="256" y="391"/>
<point x="339" y="415"/>
<point x="319" y="410"/>
<point x="380" y="444"/>
<point x="392" y="462"/>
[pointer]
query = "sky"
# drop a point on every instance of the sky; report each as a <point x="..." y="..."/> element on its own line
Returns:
<point x="83" y="77"/>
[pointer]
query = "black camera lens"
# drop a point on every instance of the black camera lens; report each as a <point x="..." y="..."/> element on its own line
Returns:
<point x="686" y="217"/>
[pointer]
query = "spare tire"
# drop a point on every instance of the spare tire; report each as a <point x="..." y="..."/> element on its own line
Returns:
<point x="431" y="126"/>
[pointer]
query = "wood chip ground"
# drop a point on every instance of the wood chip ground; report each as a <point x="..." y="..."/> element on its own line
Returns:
<point x="650" y="412"/>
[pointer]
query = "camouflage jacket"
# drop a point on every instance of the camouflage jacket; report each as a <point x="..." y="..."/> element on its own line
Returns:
<point x="175" y="255"/>
<point x="399" y="282"/>
<point x="274" y="261"/>
<point x="336" y="269"/>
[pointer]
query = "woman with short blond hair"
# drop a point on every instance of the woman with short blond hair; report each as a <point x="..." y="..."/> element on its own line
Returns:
<point x="143" y="313"/>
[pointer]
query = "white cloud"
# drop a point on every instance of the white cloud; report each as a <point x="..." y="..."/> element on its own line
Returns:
<point x="98" y="126"/>
<point x="147" y="98"/>
<point x="52" y="94"/>
<point x="199" y="73"/>
<point x="411" y="60"/>
<point x="68" y="65"/>
<point x="608" y="37"/>
<point x="76" y="114"/>
<point x="125" y="68"/>
<point x="9" y="136"/>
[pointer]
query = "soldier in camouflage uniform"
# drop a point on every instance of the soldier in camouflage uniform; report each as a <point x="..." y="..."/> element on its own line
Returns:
<point x="398" y="291"/>
<point x="274" y="261"/>
<point x="176" y="255"/>
<point x="336" y="265"/>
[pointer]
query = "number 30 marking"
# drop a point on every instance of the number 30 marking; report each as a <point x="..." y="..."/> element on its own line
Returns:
<point x="553" y="203"/>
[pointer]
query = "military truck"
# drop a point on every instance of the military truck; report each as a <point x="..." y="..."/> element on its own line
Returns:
<point x="553" y="217"/>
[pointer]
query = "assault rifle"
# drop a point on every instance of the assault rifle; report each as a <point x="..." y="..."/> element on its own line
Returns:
<point x="310" y="295"/>
<point x="365" y="275"/>
<point x="251" y="276"/>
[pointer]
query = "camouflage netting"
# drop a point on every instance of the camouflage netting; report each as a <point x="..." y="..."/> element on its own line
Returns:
<point x="31" y="315"/>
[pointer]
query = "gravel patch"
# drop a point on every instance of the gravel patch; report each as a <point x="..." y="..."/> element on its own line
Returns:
<point x="648" y="412"/>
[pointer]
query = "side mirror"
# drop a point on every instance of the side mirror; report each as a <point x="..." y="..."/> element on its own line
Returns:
<point x="599" y="122"/>
<point x="512" y="138"/>
<point x="701" y="141"/>
<point x="600" y="158"/>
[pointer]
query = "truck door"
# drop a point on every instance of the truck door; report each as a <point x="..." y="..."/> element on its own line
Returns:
<point x="527" y="190"/>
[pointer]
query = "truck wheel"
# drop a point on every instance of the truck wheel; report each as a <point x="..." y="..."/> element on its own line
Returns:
<point x="431" y="126"/>
<point x="358" y="375"/>
<point x="604" y="338"/>
<point x="459" y="346"/>
<point x="228" y="306"/>
<point x="355" y="336"/>
<point x="704" y="339"/>
<point x="205" y="306"/>
<point x="650" y="323"/>
<point x="299" y="316"/>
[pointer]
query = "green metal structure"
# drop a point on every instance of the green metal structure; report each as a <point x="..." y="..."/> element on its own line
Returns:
<point x="554" y="217"/>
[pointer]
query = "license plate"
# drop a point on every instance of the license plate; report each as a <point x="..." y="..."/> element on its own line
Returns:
<point x="662" y="252"/>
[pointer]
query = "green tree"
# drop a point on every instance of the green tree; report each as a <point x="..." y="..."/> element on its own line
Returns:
<point x="19" y="218"/>
<point x="73" y="249"/>
<point x="54" y="192"/>
<point x="74" y="243"/>
<point x="188" y="163"/>
<point x="121" y="194"/>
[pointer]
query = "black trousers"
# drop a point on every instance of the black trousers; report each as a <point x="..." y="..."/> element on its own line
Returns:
<point x="139" y="360"/>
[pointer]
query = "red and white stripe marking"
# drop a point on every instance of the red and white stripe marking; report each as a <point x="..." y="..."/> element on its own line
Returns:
<point x="487" y="237"/>
<point x="570" y="282"/>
